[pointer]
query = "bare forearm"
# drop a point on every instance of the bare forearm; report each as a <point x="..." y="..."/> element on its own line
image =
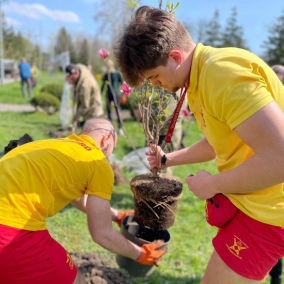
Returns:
<point x="199" y="152"/>
<point x="256" y="173"/>
<point x="114" y="242"/>
<point x="114" y="214"/>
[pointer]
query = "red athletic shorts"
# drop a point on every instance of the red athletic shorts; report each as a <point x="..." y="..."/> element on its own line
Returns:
<point x="29" y="257"/>
<point x="248" y="247"/>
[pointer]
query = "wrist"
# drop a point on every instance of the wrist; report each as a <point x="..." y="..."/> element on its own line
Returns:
<point x="211" y="184"/>
<point x="140" y="254"/>
<point x="164" y="161"/>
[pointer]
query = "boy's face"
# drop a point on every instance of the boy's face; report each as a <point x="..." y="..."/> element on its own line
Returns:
<point x="166" y="77"/>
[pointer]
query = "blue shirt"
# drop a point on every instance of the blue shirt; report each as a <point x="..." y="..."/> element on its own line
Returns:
<point x="25" y="70"/>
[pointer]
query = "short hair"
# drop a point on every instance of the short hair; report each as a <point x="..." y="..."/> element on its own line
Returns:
<point x="147" y="41"/>
<point x="278" y="69"/>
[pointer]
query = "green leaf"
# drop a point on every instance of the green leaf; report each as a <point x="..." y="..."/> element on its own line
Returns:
<point x="168" y="5"/>
<point x="156" y="102"/>
<point x="159" y="116"/>
<point x="148" y="95"/>
<point x="166" y="111"/>
<point x="176" y="6"/>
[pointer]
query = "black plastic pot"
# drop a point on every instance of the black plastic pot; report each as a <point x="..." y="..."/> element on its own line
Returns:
<point x="139" y="236"/>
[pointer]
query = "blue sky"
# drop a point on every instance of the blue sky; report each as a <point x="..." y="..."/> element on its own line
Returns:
<point x="42" y="18"/>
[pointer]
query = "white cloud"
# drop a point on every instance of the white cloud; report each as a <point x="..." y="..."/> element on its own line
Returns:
<point x="11" y="22"/>
<point x="38" y="11"/>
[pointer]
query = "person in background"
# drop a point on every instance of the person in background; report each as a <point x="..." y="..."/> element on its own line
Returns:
<point x="26" y="77"/>
<point x="53" y="173"/>
<point x="279" y="70"/>
<point x="238" y="104"/>
<point x="87" y="95"/>
<point x="35" y="73"/>
<point x="112" y="81"/>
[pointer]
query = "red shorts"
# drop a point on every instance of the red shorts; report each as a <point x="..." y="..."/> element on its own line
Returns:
<point x="29" y="257"/>
<point x="249" y="247"/>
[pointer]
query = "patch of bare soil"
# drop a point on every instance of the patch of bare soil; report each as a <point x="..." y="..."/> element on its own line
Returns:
<point x="99" y="269"/>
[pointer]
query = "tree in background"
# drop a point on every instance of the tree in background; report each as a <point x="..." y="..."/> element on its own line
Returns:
<point x="83" y="53"/>
<point x="274" y="46"/>
<point x="213" y="32"/>
<point x="113" y="16"/>
<point x="16" y="46"/>
<point x="64" y="43"/>
<point x="232" y="36"/>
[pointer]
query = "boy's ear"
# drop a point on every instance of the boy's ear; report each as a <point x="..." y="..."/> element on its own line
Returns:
<point x="176" y="55"/>
<point x="104" y="140"/>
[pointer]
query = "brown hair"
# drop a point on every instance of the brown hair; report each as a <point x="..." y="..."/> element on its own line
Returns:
<point x="147" y="41"/>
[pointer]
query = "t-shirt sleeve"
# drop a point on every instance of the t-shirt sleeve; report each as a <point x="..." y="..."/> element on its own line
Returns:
<point x="236" y="94"/>
<point x="101" y="181"/>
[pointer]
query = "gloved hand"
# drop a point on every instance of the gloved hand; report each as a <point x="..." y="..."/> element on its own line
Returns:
<point x="121" y="215"/>
<point x="149" y="253"/>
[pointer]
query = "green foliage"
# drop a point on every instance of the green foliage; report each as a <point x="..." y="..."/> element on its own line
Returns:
<point x="14" y="125"/>
<point x="171" y="7"/>
<point x="232" y="36"/>
<point x="46" y="101"/>
<point x="17" y="46"/>
<point x="11" y="93"/>
<point x="83" y="56"/>
<point x="274" y="46"/>
<point x="213" y="32"/>
<point x="64" y="43"/>
<point x="54" y="89"/>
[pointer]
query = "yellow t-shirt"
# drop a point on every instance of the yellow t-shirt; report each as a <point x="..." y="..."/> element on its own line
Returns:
<point x="40" y="178"/>
<point x="227" y="86"/>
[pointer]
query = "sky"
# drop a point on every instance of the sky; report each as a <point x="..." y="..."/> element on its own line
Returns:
<point x="41" y="19"/>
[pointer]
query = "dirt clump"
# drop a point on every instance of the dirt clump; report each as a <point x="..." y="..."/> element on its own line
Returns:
<point x="155" y="200"/>
<point x="99" y="269"/>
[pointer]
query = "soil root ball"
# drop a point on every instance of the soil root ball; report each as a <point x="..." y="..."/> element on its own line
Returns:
<point x="155" y="200"/>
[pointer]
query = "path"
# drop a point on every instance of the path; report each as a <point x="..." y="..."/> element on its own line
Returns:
<point x="14" y="107"/>
<point x="29" y="108"/>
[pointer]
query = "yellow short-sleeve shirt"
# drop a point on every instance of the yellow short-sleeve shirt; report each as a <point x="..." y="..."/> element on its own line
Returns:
<point x="40" y="178"/>
<point x="227" y="86"/>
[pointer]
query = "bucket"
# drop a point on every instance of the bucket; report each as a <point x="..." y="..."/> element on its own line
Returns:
<point x="139" y="236"/>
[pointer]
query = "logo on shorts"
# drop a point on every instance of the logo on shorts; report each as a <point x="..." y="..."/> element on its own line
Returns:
<point x="237" y="247"/>
<point x="70" y="260"/>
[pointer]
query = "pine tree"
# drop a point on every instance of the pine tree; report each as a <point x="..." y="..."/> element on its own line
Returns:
<point x="83" y="56"/>
<point x="233" y="34"/>
<point x="274" y="46"/>
<point x="64" y="43"/>
<point x="213" y="32"/>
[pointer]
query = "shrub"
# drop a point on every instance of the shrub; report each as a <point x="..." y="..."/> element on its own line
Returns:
<point x="46" y="101"/>
<point x="54" y="89"/>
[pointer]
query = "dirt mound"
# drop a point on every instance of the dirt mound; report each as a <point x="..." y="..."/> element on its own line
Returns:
<point x="99" y="269"/>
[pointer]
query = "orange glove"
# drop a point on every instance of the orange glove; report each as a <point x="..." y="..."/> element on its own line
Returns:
<point x="121" y="215"/>
<point x="149" y="253"/>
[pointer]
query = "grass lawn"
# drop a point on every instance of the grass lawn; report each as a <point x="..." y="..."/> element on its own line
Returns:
<point x="190" y="247"/>
<point x="11" y="93"/>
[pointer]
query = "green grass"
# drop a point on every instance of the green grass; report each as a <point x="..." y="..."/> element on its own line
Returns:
<point x="14" y="125"/>
<point x="11" y="93"/>
<point x="190" y="247"/>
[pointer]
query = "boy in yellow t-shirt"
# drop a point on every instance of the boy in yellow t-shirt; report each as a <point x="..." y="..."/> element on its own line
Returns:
<point x="40" y="178"/>
<point x="238" y="103"/>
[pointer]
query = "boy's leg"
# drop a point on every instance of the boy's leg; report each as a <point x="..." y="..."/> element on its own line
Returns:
<point x="238" y="244"/>
<point x="23" y="87"/>
<point x="217" y="272"/>
<point x="30" y="87"/>
<point x="80" y="279"/>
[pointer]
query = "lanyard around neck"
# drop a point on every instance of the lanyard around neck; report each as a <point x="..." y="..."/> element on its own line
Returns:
<point x="171" y="129"/>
